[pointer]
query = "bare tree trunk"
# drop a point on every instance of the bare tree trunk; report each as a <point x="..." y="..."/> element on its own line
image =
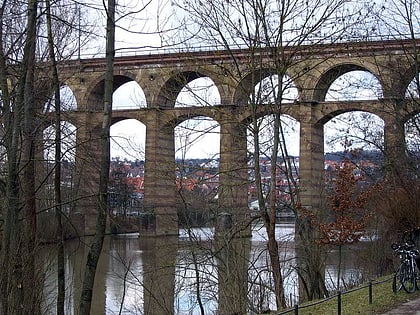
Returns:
<point x="96" y="248"/>
<point x="10" y="240"/>
<point x="340" y="256"/>
<point x="57" y="169"/>
<point x="273" y="248"/>
<point x="311" y="261"/>
<point x="29" y="135"/>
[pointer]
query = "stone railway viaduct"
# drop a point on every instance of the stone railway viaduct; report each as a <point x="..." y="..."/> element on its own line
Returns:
<point x="162" y="76"/>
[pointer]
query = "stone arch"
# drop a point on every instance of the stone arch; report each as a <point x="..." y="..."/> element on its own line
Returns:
<point x="177" y="81"/>
<point x="129" y="96"/>
<point x="95" y="94"/>
<point x="67" y="99"/>
<point x="251" y="80"/>
<point x="333" y="73"/>
<point x="126" y="142"/>
<point x="198" y="92"/>
<point x="361" y="127"/>
<point x="201" y="131"/>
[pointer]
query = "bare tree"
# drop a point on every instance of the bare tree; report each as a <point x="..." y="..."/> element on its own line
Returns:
<point x="272" y="27"/>
<point x="96" y="247"/>
<point x="10" y="239"/>
<point x="21" y="250"/>
<point x="57" y="169"/>
<point x="25" y="88"/>
<point x="400" y="19"/>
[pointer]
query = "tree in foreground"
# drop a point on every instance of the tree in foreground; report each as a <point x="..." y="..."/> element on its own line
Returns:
<point x="19" y="237"/>
<point x="97" y="243"/>
<point x="279" y="28"/>
<point x="349" y="209"/>
<point x="25" y="87"/>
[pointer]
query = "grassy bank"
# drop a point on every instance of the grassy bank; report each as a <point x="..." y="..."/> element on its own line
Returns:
<point x="357" y="302"/>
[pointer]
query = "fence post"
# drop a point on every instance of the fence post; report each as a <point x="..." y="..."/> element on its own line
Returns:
<point x="370" y="293"/>
<point x="296" y="309"/>
<point x="339" y="302"/>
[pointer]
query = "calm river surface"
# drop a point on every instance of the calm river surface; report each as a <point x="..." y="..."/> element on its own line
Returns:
<point x="176" y="275"/>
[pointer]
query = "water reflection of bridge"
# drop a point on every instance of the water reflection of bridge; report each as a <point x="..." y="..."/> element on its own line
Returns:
<point x="158" y="276"/>
<point x="167" y="275"/>
<point x="162" y="77"/>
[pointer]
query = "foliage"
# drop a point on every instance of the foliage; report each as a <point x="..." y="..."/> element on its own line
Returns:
<point x="349" y="208"/>
<point x="348" y="203"/>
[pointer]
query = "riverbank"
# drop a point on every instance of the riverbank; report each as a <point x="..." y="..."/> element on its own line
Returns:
<point x="384" y="301"/>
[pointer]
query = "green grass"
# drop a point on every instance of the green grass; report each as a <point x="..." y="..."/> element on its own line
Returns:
<point x="357" y="302"/>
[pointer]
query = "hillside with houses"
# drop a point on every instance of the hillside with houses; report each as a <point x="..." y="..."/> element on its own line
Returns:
<point x="198" y="180"/>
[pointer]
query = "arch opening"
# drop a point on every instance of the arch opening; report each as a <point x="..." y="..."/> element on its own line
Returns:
<point x="198" y="92"/>
<point x="356" y="136"/>
<point x="197" y="138"/>
<point x="271" y="90"/>
<point x="126" y="182"/>
<point x="354" y="130"/>
<point x="354" y="85"/>
<point x="197" y="147"/>
<point x="261" y="144"/>
<point x="129" y="96"/>
<point x="67" y="101"/>
<point x="128" y="139"/>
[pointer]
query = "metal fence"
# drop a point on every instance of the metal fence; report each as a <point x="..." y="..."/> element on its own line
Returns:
<point x="338" y="296"/>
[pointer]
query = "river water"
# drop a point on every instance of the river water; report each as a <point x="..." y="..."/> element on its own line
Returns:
<point x="178" y="275"/>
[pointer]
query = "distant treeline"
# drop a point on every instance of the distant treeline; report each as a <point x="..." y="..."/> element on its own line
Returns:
<point x="372" y="155"/>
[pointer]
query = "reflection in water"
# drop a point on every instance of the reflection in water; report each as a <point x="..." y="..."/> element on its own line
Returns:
<point x="189" y="274"/>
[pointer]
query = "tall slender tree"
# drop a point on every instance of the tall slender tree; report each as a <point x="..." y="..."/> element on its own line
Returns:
<point x="57" y="167"/>
<point x="10" y="239"/>
<point x="96" y="246"/>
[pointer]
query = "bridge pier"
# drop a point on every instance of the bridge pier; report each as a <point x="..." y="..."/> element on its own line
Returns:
<point x="233" y="180"/>
<point x="88" y="161"/>
<point x="311" y="162"/>
<point x="396" y="161"/>
<point x="159" y="187"/>
<point x="311" y="184"/>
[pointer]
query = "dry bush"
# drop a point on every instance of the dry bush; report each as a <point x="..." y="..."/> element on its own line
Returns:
<point x="398" y="206"/>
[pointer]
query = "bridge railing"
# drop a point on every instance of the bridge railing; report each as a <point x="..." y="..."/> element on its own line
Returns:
<point x="161" y="50"/>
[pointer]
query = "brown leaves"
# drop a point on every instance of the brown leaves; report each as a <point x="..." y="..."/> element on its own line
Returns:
<point x="349" y="211"/>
